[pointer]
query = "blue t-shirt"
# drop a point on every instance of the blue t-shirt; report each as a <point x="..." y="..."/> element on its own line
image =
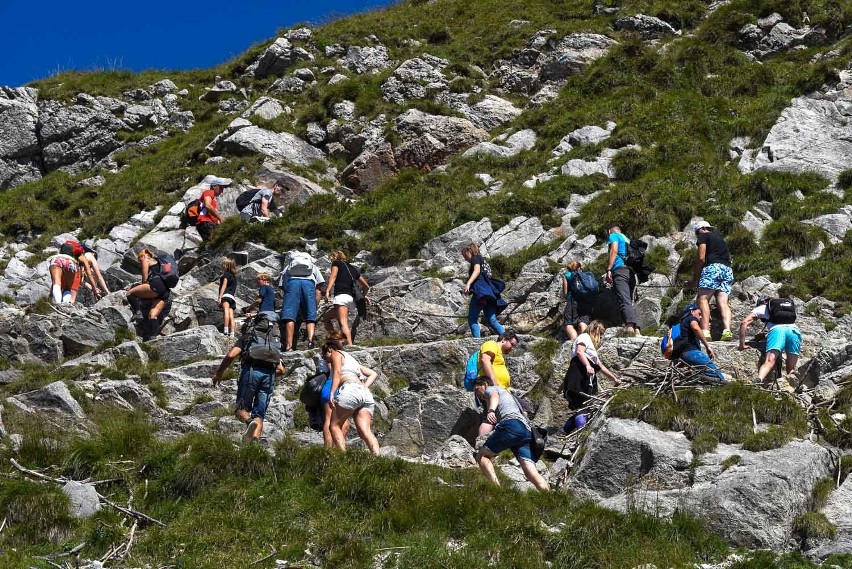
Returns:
<point x="622" y="248"/>
<point x="267" y="295"/>
<point x="568" y="275"/>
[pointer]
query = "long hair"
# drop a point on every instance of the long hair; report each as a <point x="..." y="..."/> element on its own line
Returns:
<point x="337" y="255"/>
<point x="229" y="266"/>
<point x="334" y="341"/>
<point x="596" y="331"/>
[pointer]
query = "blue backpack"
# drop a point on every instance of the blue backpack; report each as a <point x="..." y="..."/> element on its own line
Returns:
<point x="672" y="343"/>
<point x="471" y="370"/>
<point x="583" y="284"/>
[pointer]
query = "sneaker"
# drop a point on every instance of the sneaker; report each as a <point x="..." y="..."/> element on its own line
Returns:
<point x="726" y="335"/>
<point x="137" y="316"/>
<point x="707" y="335"/>
<point x="248" y="435"/>
<point x="311" y="345"/>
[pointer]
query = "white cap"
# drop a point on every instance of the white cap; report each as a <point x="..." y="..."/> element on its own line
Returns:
<point x="216" y="181"/>
<point x="702" y="225"/>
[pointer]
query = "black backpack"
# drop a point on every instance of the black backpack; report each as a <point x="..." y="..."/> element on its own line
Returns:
<point x="245" y="198"/>
<point x="634" y="259"/>
<point x="261" y="341"/>
<point x="781" y="311"/>
<point x="168" y="268"/>
<point x="312" y="390"/>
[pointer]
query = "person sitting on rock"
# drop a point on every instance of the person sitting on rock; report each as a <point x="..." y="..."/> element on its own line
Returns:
<point x="65" y="278"/>
<point x="350" y="396"/>
<point x="713" y="276"/>
<point x="512" y="431"/>
<point x="260" y="205"/>
<point x="694" y="337"/>
<point x="581" y="379"/>
<point x="255" y="387"/>
<point x="265" y="301"/>
<point x="578" y="311"/>
<point x="301" y="280"/>
<point x="779" y="316"/>
<point x="226" y="300"/>
<point x="152" y="288"/>
<point x="342" y="280"/>
<point x="208" y="210"/>
<point x="492" y="366"/>
<point x="484" y="292"/>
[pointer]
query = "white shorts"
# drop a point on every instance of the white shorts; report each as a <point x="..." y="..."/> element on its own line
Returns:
<point x="353" y="395"/>
<point x="344" y="300"/>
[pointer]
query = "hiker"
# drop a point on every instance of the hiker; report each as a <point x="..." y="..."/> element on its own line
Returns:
<point x="713" y="275"/>
<point x="693" y="338"/>
<point x="265" y="301"/>
<point x="492" y="366"/>
<point x="581" y="379"/>
<point x="153" y="288"/>
<point x="512" y="430"/>
<point x="260" y="202"/>
<point x="340" y="290"/>
<point x="782" y="335"/>
<point x="65" y="278"/>
<point x="619" y="275"/>
<point x="349" y="395"/>
<point x="484" y="291"/>
<point x="208" y="210"/>
<point x="578" y="308"/>
<point x="301" y="280"/>
<point x="87" y="258"/>
<point x="257" y="376"/>
<point x="227" y="289"/>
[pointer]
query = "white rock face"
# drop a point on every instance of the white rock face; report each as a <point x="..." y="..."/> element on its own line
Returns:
<point x="276" y="145"/>
<point x="505" y="146"/>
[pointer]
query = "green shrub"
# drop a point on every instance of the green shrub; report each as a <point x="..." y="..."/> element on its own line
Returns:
<point x="35" y="513"/>
<point x="822" y="490"/>
<point x="792" y="239"/>
<point x="812" y="525"/>
<point x="844" y="180"/>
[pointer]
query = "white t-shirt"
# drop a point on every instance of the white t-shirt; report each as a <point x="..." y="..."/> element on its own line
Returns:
<point x="762" y="312"/>
<point x="591" y="353"/>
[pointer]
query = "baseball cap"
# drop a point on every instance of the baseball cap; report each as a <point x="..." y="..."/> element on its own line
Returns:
<point x="702" y="225"/>
<point x="691" y="307"/>
<point x="216" y="181"/>
<point x="761" y="299"/>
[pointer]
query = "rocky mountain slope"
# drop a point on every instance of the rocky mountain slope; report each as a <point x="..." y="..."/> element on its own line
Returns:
<point x="404" y="134"/>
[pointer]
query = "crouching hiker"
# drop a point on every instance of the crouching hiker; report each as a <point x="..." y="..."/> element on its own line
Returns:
<point x="159" y="276"/>
<point x="694" y="337"/>
<point x="260" y="360"/>
<point x="512" y="430"/>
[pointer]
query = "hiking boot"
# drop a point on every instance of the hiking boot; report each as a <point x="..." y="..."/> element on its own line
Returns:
<point x="726" y="335"/>
<point x="311" y="345"/>
<point x="137" y="316"/>
<point x="251" y="429"/>
<point x="707" y="335"/>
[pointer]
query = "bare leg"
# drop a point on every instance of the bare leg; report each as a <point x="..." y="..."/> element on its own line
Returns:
<point x="724" y="308"/>
<point x="532" y="474"/>
<point x="142" y="291"/>
<point x="571" y="332"/>
<point x="364" y="425"/>
<point x="156" y="309"/>
<point x="311" y="327"/>
<point x="339" y="416"/>
<point x="343" y="318"/>
<point x="768" y="364"/>
<point x="792" y="360"/>
<point x="290" y="329"/>
<point x="483" y="459"/>
<point x="56" y="284"/>
<point x="328" y="320"/>
<point x="582" y="327"/>
<point x="485" y="428"/>
<point x="326" y="427"/>
<point x="704" y="305"/>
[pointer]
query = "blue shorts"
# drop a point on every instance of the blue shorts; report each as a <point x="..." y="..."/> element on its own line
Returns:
<point x="511" y="434"/>
<point x="784" y="338"/>
<point x="300" y="294"/>
<point x="716" y="277"/>
<point x="254" y="390"/>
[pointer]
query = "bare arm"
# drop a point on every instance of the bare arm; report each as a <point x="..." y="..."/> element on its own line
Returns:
<point x="366" y="286"/>
<point x="493" y="402"/>
<point x="264" y="207"/>
<point x="208" y="205"/>
<point x="221" y="291"/>
<point x="581" y="355"/>
<point x="370" y="375"/>
<point x="613" y="255"/>
<point x="564" y="286"/>
<point x="700" y="257"/>
<point x="229" y="358"/>
<point x="335" y="364"/>
<point x="696" y="329"/>
<point x="473" y="276"/>
<point x="329" y="285"/>
<point x="744" y="329"/>
<point x="145" y="263"/>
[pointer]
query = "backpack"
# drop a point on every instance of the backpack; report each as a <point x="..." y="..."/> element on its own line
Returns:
<point x="672" y="344"/>
<point x="634" y="259"/>
<point x="189" y="215"/>
<point x="301" y="264"/>
<point x="261" y="341"/>
<point x="312" y="390"/>
<point x="168" y="269"/>
<point x="781" y="311"/>
<point x="471" y="370"/>
<point x="245" y="198"/>
<point x="583" y="284"/>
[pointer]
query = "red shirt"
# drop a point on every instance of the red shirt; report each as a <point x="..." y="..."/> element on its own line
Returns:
<point x="204" y="215"/>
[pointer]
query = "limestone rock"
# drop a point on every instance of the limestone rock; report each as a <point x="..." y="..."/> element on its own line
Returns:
<point x="265" y="107"/>
<point x="83" y="500"/>
<point x="572" y="55"/>
<point x="370" y="168"/>
<point x="519" y="234"/>
<point x="366" y="59"/>
<point x="505" y="146"/>
<point x="190" y="344"/>
<point x="431" y="139"/>
<point x="649" y="27"/>
<point x="53" y="398"/>
<point x="444" y="249"/>
<point x="276" y="145"/>
<point x="277" y="58"/>
<point x="19" y="144"/>
<point x="416" y="78"/>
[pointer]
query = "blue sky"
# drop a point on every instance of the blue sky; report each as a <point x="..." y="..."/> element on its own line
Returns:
<point x="39" y="39"/>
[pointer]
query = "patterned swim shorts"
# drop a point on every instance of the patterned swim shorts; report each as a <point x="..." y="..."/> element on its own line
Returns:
<point x="716" y="277"/>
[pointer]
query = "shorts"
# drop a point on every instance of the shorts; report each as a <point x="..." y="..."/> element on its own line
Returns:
<point x="576" y="311"/>
<point x="159" y="286"/>
<point x="228" y="299"/>
<point x="353" y="396"/>
<point x="300" y="293"/>
<point x="205" y="229"/>
<point x="784" y="338"/>
<point x="716" y="277"/>
<point x="344" y="300"/>
<point x="255" y="390"/>
<point x="511" y="434"/>
<point x="71" y="275"/>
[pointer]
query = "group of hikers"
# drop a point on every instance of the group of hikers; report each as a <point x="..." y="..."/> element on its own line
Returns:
<point x="340" y="390"/>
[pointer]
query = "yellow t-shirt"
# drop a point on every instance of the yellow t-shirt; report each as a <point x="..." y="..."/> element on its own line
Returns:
<point x="498" y="364"/>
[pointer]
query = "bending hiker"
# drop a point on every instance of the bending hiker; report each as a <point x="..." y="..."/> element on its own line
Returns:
<point x="260" y="201"/>
<point x="578" y="309"/>
<point x="208" y="210"/>
<point x="349" y="396"/>
<point x="334" y="341"/>
<point x="581" y="379"/>
<point x="65" y="278"/>
<point x="690" y="348"/>
<point x="713" y="275"/>
<point x="342" y="280"/>
<point x="154" y="288"/>
<point x="257" y="374"/>
<point x="301" y="280"/>
<point x="484" y="291"/>
<point x="779" y="316"/>
<point x="265" y="301"/>
<point x="88" y="260"/>
<point x="493" y="369"/>
<point x="622" y="278"/>
<point x="512" y="430"/>
<point x="227" y="290"/>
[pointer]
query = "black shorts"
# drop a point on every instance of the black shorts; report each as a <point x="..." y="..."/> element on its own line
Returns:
<point x="576" y="311"/>
<point x="157" y="285"/>
<point x="205" y="229"/>
<point x="231" y="301"/>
